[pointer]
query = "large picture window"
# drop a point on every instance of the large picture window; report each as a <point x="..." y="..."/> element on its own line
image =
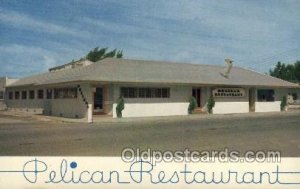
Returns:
<point x="134" y="92"/>
<point x="24" y="95"/>
<point x="165" y="93"/>
<point x="265" y="95"/>
<point x="49" y="93"/>
<point x="40" y="94"/>
<point x="17" y="95"/>
<point x="31" y="94"/>
<point x="65" y="93"/>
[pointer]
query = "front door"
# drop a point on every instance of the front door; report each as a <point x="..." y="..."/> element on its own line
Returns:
<point x="98" y="101"/>
<point x="197" y="95"/>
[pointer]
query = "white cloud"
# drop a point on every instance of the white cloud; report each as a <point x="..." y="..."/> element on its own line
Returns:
<point x="23" y="21"/>
<point x="19" y="60"/>
<point x="111" y="26"/>
<point x="208" y="31"/>
<point x="185" y="31"/>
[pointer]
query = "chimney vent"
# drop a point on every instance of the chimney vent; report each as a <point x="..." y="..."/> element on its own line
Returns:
<point x="228" y="68"/>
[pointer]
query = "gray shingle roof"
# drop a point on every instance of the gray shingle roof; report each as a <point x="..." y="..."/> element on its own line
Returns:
<point x="140" y="71"/>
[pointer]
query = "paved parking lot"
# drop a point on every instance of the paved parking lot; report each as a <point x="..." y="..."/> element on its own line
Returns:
<point x="270" y="131"/>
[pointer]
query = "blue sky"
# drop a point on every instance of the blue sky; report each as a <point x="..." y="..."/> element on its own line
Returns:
<point x="39" y="34"/>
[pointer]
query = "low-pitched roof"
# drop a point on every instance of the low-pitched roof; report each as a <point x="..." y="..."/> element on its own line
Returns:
<point x="141" y="71"/>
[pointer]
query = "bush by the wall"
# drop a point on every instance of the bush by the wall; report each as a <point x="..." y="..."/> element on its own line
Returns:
<point x="210" y="104"/>
<point x="192" y="105"/>
<point x="283" y="103"/>
<point x="120" y="107"/>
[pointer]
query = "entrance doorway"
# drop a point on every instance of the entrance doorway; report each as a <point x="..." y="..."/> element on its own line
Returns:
<point x="98" y="101"/>
<point x="197" y="95"/>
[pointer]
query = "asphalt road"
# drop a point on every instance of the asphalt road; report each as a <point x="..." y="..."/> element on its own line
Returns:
<point x="26" y="136"/>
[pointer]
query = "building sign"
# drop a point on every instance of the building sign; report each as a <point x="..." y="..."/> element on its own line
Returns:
<point x="228" y="92"/>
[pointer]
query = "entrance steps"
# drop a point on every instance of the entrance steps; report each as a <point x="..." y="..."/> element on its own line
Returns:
<point x="199" y="111"/>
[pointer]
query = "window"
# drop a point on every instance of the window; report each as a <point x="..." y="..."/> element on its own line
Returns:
<point x="10" y="95"/>
<point x="157" y="93"/>
<point x="49" y="93"/>
<point x="124" y="92"/>
<point x="31" y="94"/>
<point x="165" y="92"/>
<point x="24" y="95"/>
<point x="17" y="95"/>
<point x="40" y="94"/>
<point x="1" y="95"/>
<point x="265" y="95"/>
<point x="152" y="92"/>
<point x="142" y="92"/>
<point x="131" y="92"/>
<point x="148" y="92"/>
<point x="65" y="93"/>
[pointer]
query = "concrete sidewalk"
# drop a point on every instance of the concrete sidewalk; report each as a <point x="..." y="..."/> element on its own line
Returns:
<point x="194" y="117"/>
<point x="109" y="119"/>
<point x="39" y="117"/>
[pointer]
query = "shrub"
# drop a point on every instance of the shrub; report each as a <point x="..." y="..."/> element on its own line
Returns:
<point x="283" y="103"/>
<point x="120" y="107"/>
<point x="192" y="105"/>
<point x="210" y="104"/>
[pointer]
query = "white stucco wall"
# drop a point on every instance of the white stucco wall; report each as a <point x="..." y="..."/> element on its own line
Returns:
<point x="177" y="104"/>
<point x="71" y="108"/>
<point x="34" y="106"/>
<point x="153" y="109"/>
<point x="267" y="106"/>
<point x="229" y="105"/>
<point x="4" y="81"/>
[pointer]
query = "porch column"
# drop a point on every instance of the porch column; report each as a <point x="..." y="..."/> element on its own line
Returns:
<point x="90" y="113"/>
